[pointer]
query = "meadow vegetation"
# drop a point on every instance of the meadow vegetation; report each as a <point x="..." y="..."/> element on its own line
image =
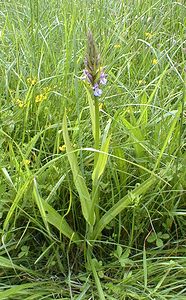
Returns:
<point x="93" y="189"/>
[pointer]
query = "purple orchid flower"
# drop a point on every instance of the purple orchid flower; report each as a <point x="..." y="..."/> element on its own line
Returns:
<point x="94" y="73"/>
<point x="97" y="90"/>
<point x="87" y="76"/>
<point x="103" y="78"/>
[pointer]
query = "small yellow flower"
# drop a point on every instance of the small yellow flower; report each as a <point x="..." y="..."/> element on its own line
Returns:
<point x="62" y="148"/>
<point x="34" y="81"/>
<point x="141" y="82"/>
<point x="20" y="103"/>
<point x="148" y="35"/>
<point x="26" y="161"/>
<point x="154" y="61"/>
<point x="117" y="46"/>
<point x="40" y="98"/>
<point x="31" y="81"/>
<point x="101" y="106"/>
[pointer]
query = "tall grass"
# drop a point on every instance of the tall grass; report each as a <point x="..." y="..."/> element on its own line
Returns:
<point x="87" y="215"/>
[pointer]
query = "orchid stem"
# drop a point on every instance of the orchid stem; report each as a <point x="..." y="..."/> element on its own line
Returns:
<point x="97" y="133"/>
<point x="95" y="190"/>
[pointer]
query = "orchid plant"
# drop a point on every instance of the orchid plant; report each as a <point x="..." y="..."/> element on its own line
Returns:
<point x="94" y="78"/>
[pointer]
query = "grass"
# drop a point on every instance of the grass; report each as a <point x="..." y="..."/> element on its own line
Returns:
<point x="87" y="215"/>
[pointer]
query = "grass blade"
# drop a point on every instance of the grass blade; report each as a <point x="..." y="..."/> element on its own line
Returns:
<point x="40" y="205"/>
<point x="169" y="134"/>
<point x="18" y="289"/>
<point x="7" y="263"/>
<point x="145" y="271"/>
<point x="97" y="280"/>
<point x="15" y="203"/>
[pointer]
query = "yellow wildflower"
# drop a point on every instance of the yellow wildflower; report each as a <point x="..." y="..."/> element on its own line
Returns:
<point x="154" y="61"/>
<point x="20" y="103"/>
<point x="62" y="148"/>
<point x="117" y="46"/>
<point x="31" y="81"/>
<point x="40" y="98"/>
<point x="148" y="35"/>
<point x="101" y="106"/>
<point x="26" y="161"/>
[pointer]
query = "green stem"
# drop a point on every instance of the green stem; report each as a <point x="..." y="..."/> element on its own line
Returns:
<point x="95" y="189"/>
<point x="97" y="133"/>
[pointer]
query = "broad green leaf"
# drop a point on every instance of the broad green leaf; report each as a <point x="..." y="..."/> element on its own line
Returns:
<point x="102" y="155"/>
<point x="118" y="251"/>
<point x="125" y="261"/>
<point x="54" y="218"/>
<point x="159" y="242"/>
<point x="152" y="237"/>
<point x="165" y="236"/>
<point x="122" y="204"/>
<point x="78" y="178"/>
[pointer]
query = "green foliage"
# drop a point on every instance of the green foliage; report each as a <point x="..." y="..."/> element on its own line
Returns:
<point x="78" y="178"/>
<point x="157" y="238"/>
<point x="92" y="191"/>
